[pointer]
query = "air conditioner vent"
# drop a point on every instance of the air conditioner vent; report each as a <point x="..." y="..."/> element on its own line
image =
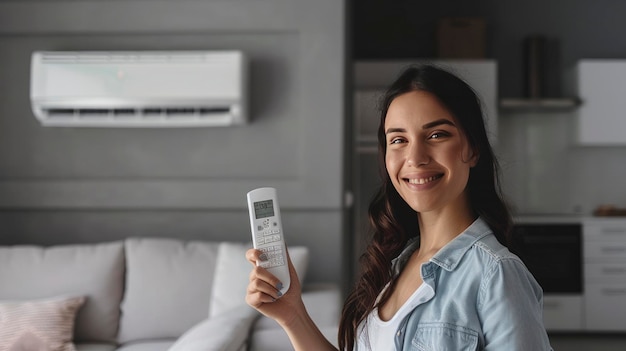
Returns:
<point x="139" y="112"/>
<point x="94" y="112"/>
<point x="124" y="111"/>
<point x="137" y="117"/>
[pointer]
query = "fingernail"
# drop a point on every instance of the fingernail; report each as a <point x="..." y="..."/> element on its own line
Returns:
<point x="279" y="294"/>
<point x="263" y="257"/>
<point x="279" y="286"/>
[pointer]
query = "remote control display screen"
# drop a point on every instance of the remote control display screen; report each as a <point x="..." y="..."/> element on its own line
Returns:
<point x="264" y="209"/>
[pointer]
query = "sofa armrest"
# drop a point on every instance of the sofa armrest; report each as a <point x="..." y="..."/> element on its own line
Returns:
<point x="323" y="302"/>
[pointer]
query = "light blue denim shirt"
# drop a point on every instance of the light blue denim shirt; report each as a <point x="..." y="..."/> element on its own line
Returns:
<point x="485" y="299"/>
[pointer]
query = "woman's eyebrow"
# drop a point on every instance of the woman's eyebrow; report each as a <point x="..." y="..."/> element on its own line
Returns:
<point x="438" y="123"/>
<point x="395" y="130"/>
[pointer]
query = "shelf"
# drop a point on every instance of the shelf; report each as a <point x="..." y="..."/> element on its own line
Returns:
<point x="540" y="104"/>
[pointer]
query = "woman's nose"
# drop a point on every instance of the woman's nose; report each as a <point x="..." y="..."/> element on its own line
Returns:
<point x="418" y="155"/>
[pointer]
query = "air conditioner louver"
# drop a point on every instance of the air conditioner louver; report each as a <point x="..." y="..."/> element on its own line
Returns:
<point x="138" y="117"/>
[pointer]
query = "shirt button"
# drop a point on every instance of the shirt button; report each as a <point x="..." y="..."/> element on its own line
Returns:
<point x="399" y="333"/>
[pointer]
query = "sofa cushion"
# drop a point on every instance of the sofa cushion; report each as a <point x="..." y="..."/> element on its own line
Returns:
<point x="39" y="324"/>
<point x="226" y="332"/>
<point x="323" y="303"/>
<point x="232" y="274"/>
<point x="95" y="347"/>
<point x="276" y="339"/>
<point x="95" y="271"/>
<point x="168" y="287"/>
<point x="152" y="345"/>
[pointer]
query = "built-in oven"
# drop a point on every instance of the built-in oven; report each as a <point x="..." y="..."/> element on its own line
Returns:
<point x="553" y="253"/>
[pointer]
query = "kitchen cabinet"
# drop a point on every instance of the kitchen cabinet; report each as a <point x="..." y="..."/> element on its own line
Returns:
<point x="605" y="274"/>
<point x="563" y="312"/>
<point x="601" y="85"/>
<point x="371" y="78"/>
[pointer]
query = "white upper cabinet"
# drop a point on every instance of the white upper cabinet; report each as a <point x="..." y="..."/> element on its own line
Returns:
<point x="602" y="114"/>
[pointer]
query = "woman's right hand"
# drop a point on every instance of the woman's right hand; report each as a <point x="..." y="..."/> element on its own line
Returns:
<point x="288" y="310"/>
<point x="263" y="292"/>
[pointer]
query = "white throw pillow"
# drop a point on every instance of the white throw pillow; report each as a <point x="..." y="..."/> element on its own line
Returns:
<point x="168" y="287"/>
<point x="226" y="332"/>
<point x="232" y="273"/>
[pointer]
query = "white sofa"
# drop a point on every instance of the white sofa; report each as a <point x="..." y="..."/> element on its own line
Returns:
<point x="144" y="294"/>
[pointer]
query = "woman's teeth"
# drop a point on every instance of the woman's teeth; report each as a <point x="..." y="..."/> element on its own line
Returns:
<point x="423" y="180"/>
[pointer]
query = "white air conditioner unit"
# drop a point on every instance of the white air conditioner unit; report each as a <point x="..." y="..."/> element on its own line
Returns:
<point x="139" y="88"/>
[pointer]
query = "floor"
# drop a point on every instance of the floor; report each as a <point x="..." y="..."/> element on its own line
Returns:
<point x="576" y="342"/>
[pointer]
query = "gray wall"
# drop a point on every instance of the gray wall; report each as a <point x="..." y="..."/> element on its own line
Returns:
<point x="68" y="185"/>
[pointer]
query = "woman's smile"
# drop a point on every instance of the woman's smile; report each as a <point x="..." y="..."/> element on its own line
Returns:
<point x="425" y="180"/>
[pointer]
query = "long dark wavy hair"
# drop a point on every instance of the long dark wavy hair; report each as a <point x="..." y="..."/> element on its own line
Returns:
<point x="392" y="220"/>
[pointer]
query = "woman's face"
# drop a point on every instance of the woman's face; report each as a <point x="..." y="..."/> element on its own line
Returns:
<point x="428" y="157"/>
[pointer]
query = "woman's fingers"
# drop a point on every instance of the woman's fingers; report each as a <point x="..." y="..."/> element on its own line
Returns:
<point x="262" y="280"/>
<point x="264" y="287"/>
<point x="254" y="255"/>
<point x="260" y="292"/>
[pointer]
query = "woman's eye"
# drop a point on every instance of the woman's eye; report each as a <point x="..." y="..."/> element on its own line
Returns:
<point x="438" y="135"/>
<point x="395" y="141"/>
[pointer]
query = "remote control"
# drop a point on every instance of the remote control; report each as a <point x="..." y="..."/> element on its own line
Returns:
<point x="267" y="233"/>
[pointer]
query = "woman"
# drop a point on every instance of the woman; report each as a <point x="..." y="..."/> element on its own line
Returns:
<point x="437" y="274"/>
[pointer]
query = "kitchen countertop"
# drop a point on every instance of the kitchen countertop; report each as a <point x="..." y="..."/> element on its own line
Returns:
<point x="563" y="218"/>
<point x="547" y="218"/>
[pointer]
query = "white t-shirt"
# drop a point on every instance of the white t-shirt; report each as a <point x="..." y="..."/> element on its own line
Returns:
<point x="379" y="335"/>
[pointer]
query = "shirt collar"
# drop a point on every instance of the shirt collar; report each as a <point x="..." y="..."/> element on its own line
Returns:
<point x="449" y="256"/>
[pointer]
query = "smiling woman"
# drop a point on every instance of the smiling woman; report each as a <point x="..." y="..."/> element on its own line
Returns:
<point x="437" y="273"/>
<point x="437" y="264"/>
